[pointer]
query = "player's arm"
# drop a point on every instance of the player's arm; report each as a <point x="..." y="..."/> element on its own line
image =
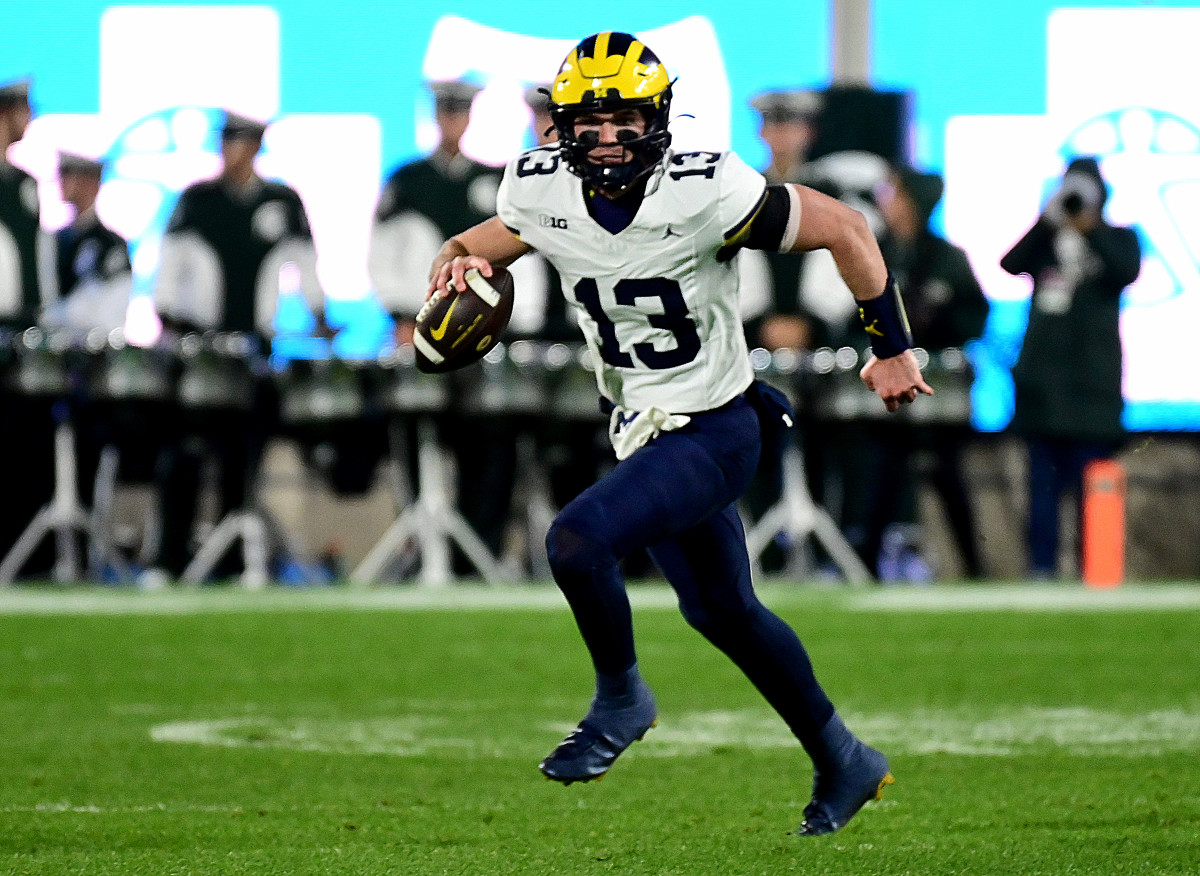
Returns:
<point x="795" y="218"/>
<point x="826" y="223"/>
<point x="489" y="243"/>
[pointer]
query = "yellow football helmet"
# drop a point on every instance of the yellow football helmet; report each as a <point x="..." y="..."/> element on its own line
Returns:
<point x="607" y="72"/>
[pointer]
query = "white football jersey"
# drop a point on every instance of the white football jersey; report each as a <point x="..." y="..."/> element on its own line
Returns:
<point x="658" y="301"/>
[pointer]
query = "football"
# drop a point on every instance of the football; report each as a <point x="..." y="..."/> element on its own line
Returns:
<point x="456" y="330"/>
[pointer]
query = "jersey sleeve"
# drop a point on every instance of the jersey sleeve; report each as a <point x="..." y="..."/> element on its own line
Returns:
<point x="741" y="194"/>
<point x="505" y="208"/>
<point x="525" y="184"/>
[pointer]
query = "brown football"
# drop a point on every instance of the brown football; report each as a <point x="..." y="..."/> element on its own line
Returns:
<point x="459" y="329"/>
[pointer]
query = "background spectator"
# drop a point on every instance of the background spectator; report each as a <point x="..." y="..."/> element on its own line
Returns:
<point x="230" y="244"/>
<point x="424" y="203"/>
<point x="23" y="281"/>
<point x="946" y="309"/>
<point x="1068" y="375"/>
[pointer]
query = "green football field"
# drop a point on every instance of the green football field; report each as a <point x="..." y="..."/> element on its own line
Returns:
<point x="1031" y="731"/>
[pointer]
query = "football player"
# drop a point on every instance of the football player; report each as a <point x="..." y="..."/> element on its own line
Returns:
<point x="643" y="238"/>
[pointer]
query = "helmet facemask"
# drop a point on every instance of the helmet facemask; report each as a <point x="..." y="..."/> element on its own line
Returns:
<point x="645" y="152"/>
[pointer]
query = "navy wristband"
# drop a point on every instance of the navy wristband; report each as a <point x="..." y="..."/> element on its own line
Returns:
<point x="886" y="322"/>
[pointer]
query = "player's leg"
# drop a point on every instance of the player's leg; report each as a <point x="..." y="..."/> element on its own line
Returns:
<point x="1045" y="484"/>
<point x="669" y="485"/>
<point x="710" y="570"/>
<point x="178" y="474"/>
<point x="583" y="549"/>
<point x="947" y="443"/>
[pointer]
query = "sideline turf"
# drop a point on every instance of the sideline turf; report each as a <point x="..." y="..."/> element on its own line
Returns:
<point x="373" y="739"/>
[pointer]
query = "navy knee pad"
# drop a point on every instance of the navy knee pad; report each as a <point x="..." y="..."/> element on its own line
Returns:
<point x="572" y="555"/>
<point x="713" y="618"/>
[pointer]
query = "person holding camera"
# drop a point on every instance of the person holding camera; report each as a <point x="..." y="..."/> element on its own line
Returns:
<point x="1068" y="375"/>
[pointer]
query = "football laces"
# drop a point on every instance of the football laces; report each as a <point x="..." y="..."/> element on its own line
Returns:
<point x="430" y="303"/>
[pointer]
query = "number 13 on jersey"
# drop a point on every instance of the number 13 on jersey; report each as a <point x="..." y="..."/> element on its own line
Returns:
<point x="674" y="318"/>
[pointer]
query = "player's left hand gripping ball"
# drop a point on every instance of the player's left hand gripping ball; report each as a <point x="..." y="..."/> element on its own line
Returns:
<point x="455" y="330"/>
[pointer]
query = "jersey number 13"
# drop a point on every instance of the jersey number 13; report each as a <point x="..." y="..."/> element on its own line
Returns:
<point x="674" y="318"/>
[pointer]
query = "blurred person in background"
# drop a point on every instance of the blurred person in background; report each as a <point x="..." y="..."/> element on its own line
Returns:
<point x="844" y="430"/>
<point x="541" y="124"/>
<point x="424" y="203"/>
<point x="570" y="450"/>
<point x="788" y="120"/>
<point x="946" y="309"/>
<point x="1068" y="404"/>
<point x="94" y="280"/>
<point x="21" y="295"/>
<point x="787" y="127"/>
<point x="26" y="274"/>
<point x="91" y="260"/>
<point x="230" y="244"/>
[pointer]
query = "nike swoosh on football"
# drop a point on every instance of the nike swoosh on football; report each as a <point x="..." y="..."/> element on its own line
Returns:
<point x="440" y="332"/>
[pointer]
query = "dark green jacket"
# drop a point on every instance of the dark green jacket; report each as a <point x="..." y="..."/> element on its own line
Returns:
<point x="241" y="231"/>
<point x="454" y="198"/>
<point x="1068" y="376"/>
<point x="19" y="218"/>
<point x="945" y="303"/>
<point x="88" y="251"/>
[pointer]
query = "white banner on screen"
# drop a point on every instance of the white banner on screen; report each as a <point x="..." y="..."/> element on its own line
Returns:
<point x="1121" y="85"/>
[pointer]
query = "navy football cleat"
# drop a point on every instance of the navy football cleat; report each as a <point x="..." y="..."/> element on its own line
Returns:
<point x="592" y="747"/>
<point x="846" y="774"/>
<point x="840" y="792"/>
<point x="587" y="753"/>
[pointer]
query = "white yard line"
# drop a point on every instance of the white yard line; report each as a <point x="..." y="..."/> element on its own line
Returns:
<point x="1029" y="598"/>
<point x="1042" y="598"/>
<point x="63" y="806"/>
<point x="998" y="732"/>
<point x="214" y="600"/>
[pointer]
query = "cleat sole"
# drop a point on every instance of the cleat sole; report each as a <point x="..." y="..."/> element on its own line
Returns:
<point x="566" y="782"/>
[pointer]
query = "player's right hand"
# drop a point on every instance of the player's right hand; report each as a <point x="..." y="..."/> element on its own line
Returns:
<point x="897" y="380"/>
<point x="449" y="275"/>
